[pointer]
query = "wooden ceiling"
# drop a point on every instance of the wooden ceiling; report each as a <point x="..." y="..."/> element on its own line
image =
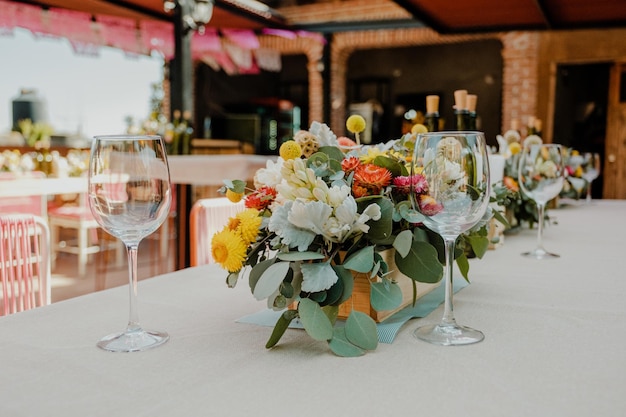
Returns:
<point x="327" y="16"/>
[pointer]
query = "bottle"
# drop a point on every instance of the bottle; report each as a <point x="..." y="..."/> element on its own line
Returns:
<point x="537" y="127"/>
<point x="431" y="119"/>
<point x="530" y="126"/>
<point x="460" y="110"/>
<point x="471" y="108"/>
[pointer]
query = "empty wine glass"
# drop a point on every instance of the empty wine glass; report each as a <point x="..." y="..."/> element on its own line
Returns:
<point x="453" y="196"/>
<point x="591" y="170"/>
<point x="541" y="171"/>
<point x="129" y="195"/>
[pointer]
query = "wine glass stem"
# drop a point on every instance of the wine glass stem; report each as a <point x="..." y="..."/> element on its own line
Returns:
<point x="541" y="208"/>
<point x="133" y="321"/>
<point x="448" y="312"/>
<point x="589" y="192"/>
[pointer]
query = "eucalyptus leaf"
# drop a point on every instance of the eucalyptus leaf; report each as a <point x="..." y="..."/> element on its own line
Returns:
<point x="334" y="293"/>
<point x="347" y="279"/>
<point x="340" y="345"/>
<point x="257" y="271"/>
<point x="299" y="256"/>
<point x="331" y="312"/>
<point x="385" y="297"/>
<point x="282" y="324"/>
<point x="315" y="322"/>
<point x="397" y="169"/>
<point x="231" y="279"/>
<point x="269" y="282"/>
<point x="333" y="152"/>
<point x="382" y="228"/>
<point x="361" y="261"/>
<point x="421" y="263"/>
<point x="403" y="242"/>
<point x="375" y="270"/>
<point x="361" y="330"/>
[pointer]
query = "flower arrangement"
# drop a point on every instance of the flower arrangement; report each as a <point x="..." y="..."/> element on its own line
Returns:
<point x="325" y="209"/>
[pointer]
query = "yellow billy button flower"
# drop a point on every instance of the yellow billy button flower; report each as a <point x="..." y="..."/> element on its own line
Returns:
<point x="228" y="250"/>
<point x="356" y="124"/>
<point x="290" y="150"/>
<point x="418" y="128"/>
<point x="515" y="148"/>
<point x="233" y="196"/>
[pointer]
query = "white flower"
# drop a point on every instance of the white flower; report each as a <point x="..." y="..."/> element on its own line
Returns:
<point x="270" y="175"/>
<point x="310" y="216"/>
<point x="324" y="135"/>
<point x="317" y="277"/>
<point x="289" y="234"/>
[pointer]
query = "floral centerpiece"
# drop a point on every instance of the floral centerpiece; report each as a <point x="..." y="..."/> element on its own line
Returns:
<point x="325" y="211"/>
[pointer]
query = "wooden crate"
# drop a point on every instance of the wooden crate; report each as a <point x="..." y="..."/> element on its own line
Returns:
<point x="360" y="299"/>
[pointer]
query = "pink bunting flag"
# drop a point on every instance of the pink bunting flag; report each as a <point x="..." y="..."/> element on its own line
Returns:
<point x="244" y="38"/>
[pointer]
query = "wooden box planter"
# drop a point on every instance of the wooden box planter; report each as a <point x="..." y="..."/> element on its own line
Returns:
<point x="360" y="299"/>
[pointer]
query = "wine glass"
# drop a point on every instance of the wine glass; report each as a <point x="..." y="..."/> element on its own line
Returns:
<point x="591" y="170"/>
<point x="129" y="195"/>
<point x="541" y="175"/>
<point x="451" y="188"/>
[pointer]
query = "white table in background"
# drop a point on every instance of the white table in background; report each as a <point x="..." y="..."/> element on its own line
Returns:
<point x="555" y="345"/>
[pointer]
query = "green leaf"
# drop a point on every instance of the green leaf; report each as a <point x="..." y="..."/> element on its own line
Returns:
<point x="270" y="280"/>
<point x="236" y="186"/>
<point x="385" y="297"/>
<point x="382" y="228"/>
<point x="282" y="324"/>
<point x="334" y="293"/>
<point x="348" y="283"/>
<point x="361" y="330"/>
<point x="361" y="261"/>
<point x="299" y="256"/>
<point x="479" y="244"/>
<point x="315" y="321"/>
<point x="231" y="279"/>
<point x="463" y="265"/>
<point x="499" y="217"/>
<point x="333" y="152"/>
<point x="403" y="242"/>
<point x="331" y="312"/>
<point x="421" y="263"/>
<point x="257" y="271"/>
<point x="397" y="169"/>
<point x="340" y="345"/>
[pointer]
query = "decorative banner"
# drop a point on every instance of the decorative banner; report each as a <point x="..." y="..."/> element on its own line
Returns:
<point x="244" y="38"/>
<point x="268" y="59"/>
<point x="207" y="42"/>
<point x="158" y="36"/>
<point x="241" y="57"/>
<point x="7" y="17"/>
<point x="31" y="18"/>
<point x="120" y="33"/>
<point x="288" y="34"/>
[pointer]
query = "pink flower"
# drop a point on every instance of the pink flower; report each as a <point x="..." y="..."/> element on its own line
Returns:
<point x="403" y="184"/>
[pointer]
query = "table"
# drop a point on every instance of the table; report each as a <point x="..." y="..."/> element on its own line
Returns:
<point x="555" y="345"/>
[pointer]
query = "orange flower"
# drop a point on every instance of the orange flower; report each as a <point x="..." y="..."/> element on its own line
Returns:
<point x="350" y="164"/>
<point x="511" y="184"/>
<point x="372" y="177"/>
<point x="261" y="198"/>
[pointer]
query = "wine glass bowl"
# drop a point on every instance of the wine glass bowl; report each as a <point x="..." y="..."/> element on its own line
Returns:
<point x="451" y="189"/>
<point x="130" y="195"/>
<point x="591" y="170"/>
<point x="541" y="176"/>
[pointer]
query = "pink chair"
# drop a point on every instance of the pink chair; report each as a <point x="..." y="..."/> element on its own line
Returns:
<point x="24" y="262"/>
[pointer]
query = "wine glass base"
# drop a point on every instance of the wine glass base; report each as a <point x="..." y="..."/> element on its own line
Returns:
<point x="448" y="334"/>
<point x="540" y="253"/>
<point x="133" y="341"/>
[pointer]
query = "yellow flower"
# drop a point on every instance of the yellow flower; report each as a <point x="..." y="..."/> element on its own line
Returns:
<point x="372" y="153"/>
<point x="355" y="123"/>
<point x="578" y="172"/>
<point x="418" y="128"/>
<point x="515" y="148"/>
<point x="290" y="150"/>
<point x="228" y="250"/>
<point x="233" y="196"/>
<point x="249" y="223"/>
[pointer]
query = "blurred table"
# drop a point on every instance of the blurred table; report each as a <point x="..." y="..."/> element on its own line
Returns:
<point x="554" y="345"/>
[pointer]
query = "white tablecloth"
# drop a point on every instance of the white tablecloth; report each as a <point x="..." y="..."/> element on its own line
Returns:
<point x="555" y="345"/>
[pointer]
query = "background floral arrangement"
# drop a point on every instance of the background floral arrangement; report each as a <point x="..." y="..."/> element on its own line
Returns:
<point x="327" y="208"/>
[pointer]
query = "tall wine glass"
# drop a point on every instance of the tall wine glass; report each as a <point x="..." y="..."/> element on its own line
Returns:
<point x="541" y="170"/>
<point x="591" y="170"/>
<point x="453" y="196"/>
<point x="129" y="195"/>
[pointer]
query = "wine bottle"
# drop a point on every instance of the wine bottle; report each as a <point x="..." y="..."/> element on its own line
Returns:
<point x="537" y="127"/>
<point x="431" y="119"/>
<point x="530" y="126"/>
<point x="471" y="108"/>
<point x="460" y="110"/>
